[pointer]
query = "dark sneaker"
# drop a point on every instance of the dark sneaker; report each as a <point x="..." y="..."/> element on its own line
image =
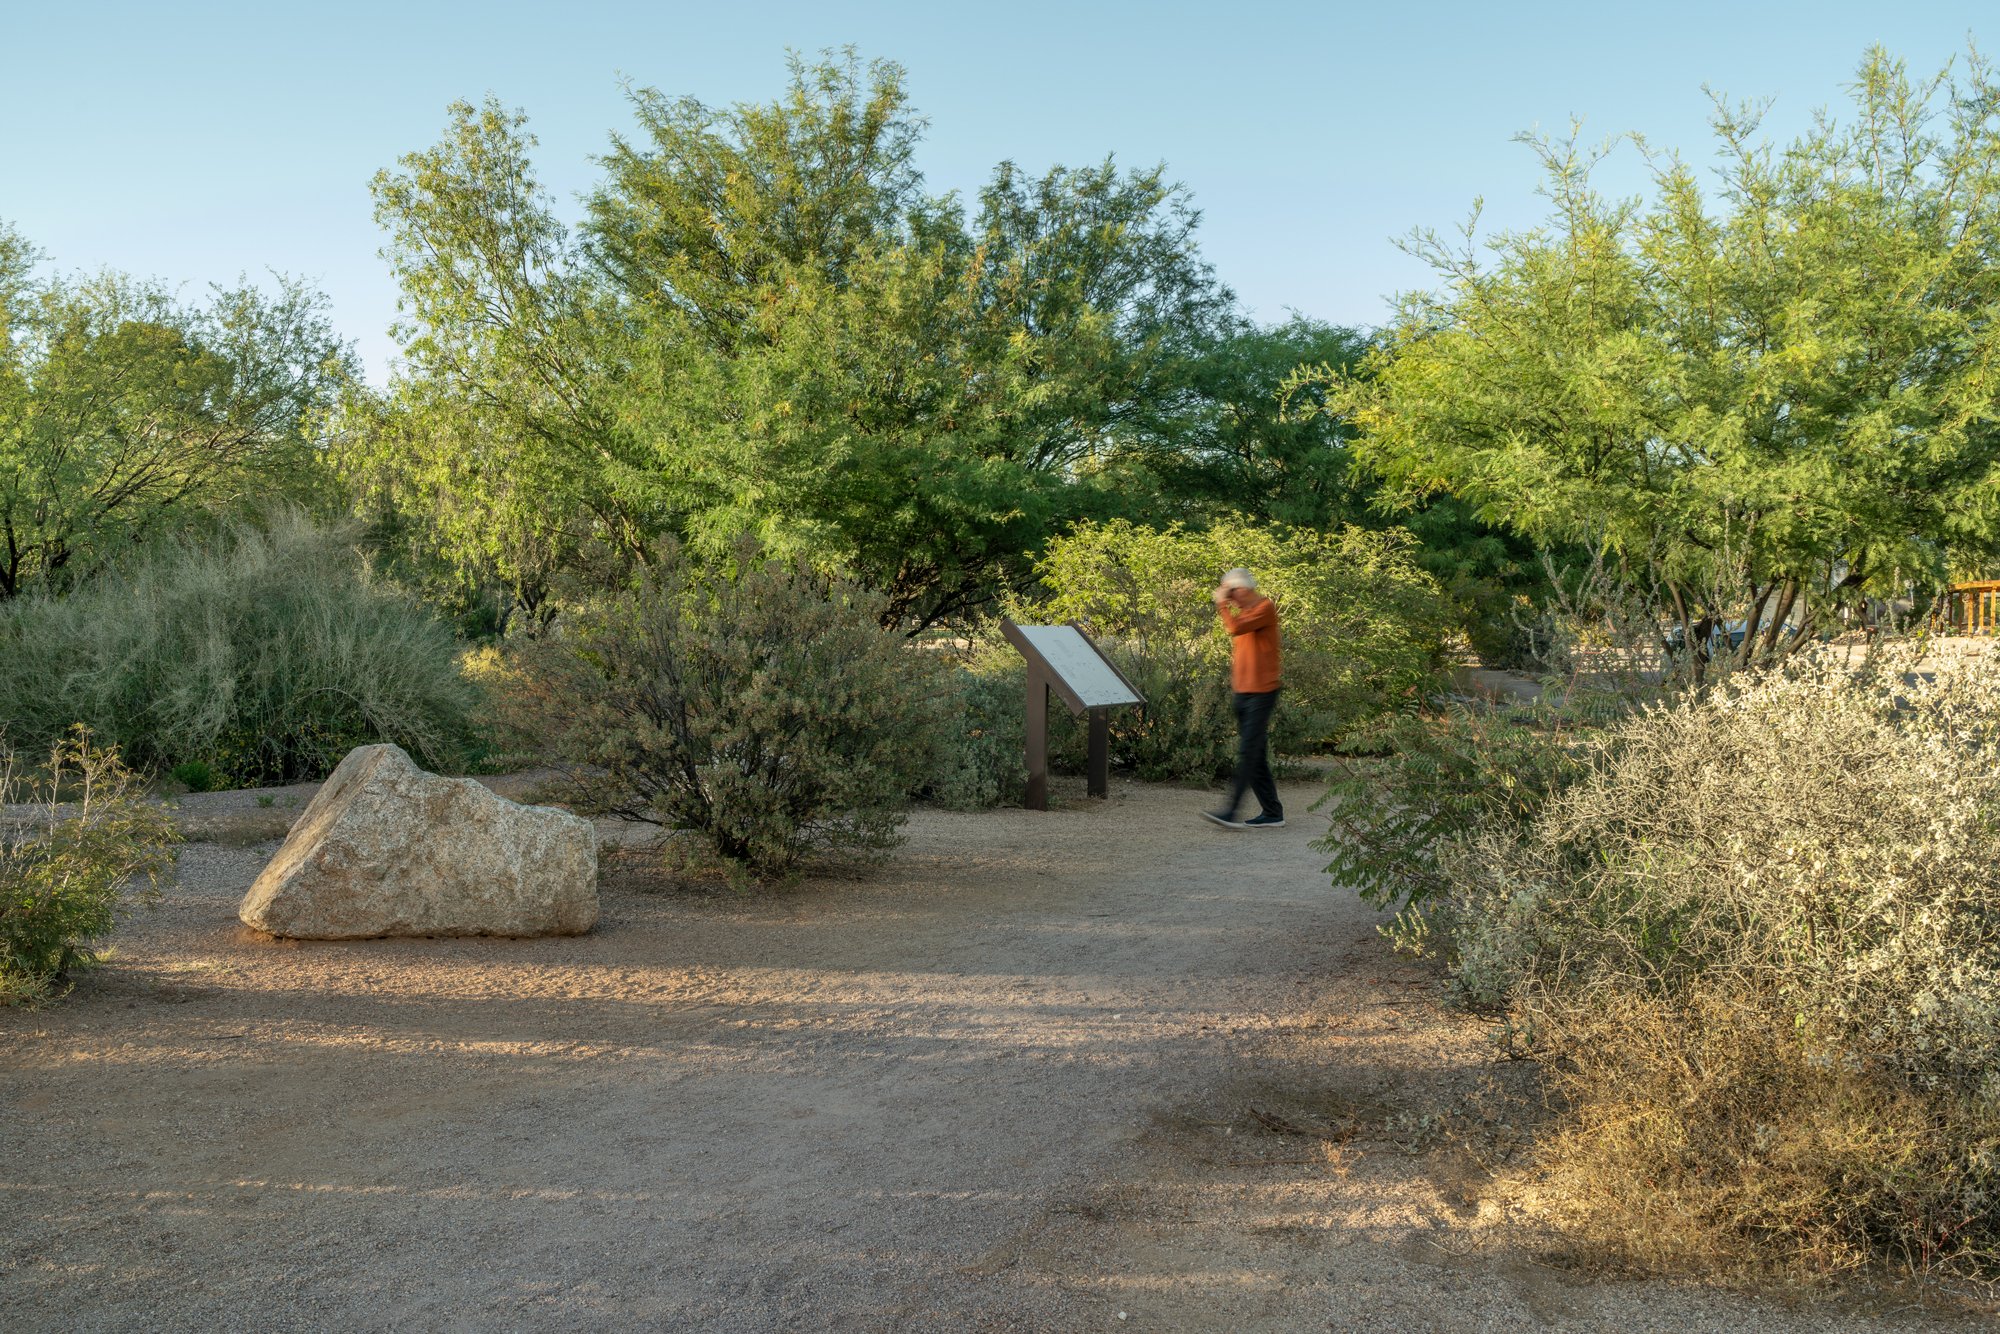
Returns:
<point x="1265" y="822"/>
<point x="1226" y="821"/>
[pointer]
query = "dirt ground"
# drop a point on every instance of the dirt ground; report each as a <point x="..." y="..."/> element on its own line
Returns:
<point x="1104" y="1067"/>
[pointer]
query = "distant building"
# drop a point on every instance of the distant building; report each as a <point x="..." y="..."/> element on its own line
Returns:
<point x="1971" y="608"/>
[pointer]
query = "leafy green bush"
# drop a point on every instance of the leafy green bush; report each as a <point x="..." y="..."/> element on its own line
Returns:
<point x="766" y="710"/>
<point x="79" y="832"/>
<point x="981" y="745"/>
<point x="1364" y="629"/>
<point x="198" y="776"/>
<point x="266" y="655"/>
<point x="1442" y="775"/>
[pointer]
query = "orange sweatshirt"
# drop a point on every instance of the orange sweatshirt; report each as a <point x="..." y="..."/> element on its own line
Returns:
<point x="1253" y="646"/>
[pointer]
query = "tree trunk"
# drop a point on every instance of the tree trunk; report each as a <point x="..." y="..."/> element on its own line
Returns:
<point x="1746" y="652"/>
<point x="1780" y="616"/>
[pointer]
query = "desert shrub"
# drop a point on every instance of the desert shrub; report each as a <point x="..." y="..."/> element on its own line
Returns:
<point x="1364" y="628"/>
<point x="1721" y="1129"/>
<point x="1817" y="832"/>
<point x="264" y="655"/>
<point x="1756" y="934"/>
<point x="72" y="835"/>
<point x="763" y="709"/>
<point x="1418" y="784"/>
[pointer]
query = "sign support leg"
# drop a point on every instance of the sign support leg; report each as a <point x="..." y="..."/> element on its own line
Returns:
<point x="1037" y="798"/>
<point x="1100" y="753"/>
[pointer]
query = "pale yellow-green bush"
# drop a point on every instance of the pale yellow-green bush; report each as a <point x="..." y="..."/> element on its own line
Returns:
<point x="1819" y="832"/>
<point x="1364" y="631"/>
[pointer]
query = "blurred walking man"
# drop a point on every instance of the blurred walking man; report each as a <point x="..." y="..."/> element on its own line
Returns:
<point x="1253" y="669"/>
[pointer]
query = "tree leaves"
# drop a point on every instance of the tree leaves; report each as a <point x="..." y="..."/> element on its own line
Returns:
<point x="125" y="413"/>
<point x="1784" y="383"/>
<point x="769" y="327"/>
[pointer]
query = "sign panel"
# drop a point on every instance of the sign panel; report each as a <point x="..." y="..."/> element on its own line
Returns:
<point x="1082" y="668"/>
<point x="1065" y="662"/>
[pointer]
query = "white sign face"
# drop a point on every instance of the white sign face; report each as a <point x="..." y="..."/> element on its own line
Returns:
<point x="1079" y="665"/>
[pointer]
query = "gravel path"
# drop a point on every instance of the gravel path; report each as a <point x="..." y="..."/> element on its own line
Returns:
<point x="1006" y="1082"/>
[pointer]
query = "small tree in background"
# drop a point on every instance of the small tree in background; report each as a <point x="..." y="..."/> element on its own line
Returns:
<point x="762" y="708"/>
<point x="767" y="325"/>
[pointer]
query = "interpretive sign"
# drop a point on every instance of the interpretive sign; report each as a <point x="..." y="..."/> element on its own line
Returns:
<point x="1064" y="659"/>
<point x="1074" y="661"/>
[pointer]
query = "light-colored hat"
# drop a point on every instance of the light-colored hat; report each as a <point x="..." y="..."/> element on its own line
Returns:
<point x="1239" y="578"/>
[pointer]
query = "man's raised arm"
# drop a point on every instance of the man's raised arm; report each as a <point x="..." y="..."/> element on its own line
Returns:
<point x="1242" y="622"/>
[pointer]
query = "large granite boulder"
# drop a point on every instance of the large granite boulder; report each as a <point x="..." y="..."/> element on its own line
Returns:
<point x="386" y="849"/>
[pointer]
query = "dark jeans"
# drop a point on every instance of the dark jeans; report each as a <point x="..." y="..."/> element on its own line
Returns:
<point x="1253" y="757"/>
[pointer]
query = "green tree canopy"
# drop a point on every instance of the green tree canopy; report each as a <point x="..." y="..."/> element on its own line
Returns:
<point x="126" y="412"/>
<point x="1254" y="441"/>
<point x="1763" y="400"/>
<point x="767" y="326"/>
<point x="1248" y="441"/>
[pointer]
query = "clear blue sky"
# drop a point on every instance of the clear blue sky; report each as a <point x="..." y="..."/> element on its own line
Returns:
<point x="198" y="141"/>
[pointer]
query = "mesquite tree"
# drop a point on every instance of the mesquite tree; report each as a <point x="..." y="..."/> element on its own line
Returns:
<point x="1764" y="400"/>
<point x="127" y="413"/>
<point x="764" y="324"/>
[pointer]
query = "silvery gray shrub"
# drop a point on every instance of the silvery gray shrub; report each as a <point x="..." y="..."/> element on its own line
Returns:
<point x="1825" y="831"/>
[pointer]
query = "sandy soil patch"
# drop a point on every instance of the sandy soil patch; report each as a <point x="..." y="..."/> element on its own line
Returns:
<point x="1041" y="1071"/>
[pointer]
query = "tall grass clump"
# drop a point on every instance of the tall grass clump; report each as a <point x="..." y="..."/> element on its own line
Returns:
<point x="1756" y="937"/>
<point x="263" y="655"/>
